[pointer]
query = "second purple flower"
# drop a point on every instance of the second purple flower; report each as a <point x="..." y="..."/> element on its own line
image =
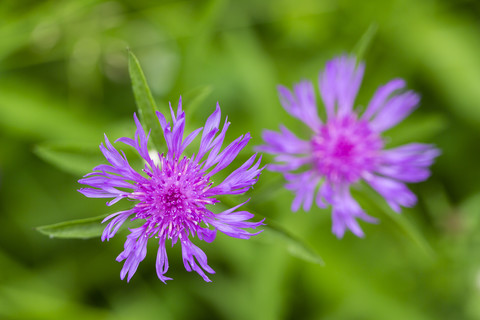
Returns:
<point x="348" y="147"/>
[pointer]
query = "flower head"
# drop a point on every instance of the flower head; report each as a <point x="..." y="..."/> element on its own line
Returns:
<point x="348" y="147"/>
<point x="173" y="194"/>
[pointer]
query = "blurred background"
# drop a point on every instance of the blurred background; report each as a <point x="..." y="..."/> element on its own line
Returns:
<point x="64" y="82"/>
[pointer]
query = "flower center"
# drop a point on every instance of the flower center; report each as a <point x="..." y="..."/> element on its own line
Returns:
<point x="345" y="148"/>
<point x="173" y="199"/>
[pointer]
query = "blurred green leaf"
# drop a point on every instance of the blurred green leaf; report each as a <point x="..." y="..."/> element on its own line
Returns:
<point x="365" y="41"/>
<point x="75" y="229"/>
<point x="41" y="114"/>
<point x="295" y="246"/>
<point x="370" y="198"/>
<point x="27" y="293"/>
<point x="417" y="129"/>
<point x="145" y="102"/>
<point x="79" y="229"/>
<point x="411" y="232"/>
<point x="75" y="159"/>
<point x="194" y="98"/>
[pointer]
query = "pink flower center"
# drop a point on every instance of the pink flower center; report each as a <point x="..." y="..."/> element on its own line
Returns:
<point x="345" y="148"/>
<point x="173" y="200"/>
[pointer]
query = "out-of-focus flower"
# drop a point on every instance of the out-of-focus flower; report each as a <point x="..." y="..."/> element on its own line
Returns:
<point x="348" y="147"/>
<point x="172" y="194"/>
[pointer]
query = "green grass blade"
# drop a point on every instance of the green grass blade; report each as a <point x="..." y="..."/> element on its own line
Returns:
<point x="74" y="159"/>
<point x="194" y="98"/>
<point x="365" y="41"/>
<point x="368" y="198"/>
<point x="75" y="229"/>
<point x="145" y="102"/>
<point x="296" y="247"/>
<point x="77" y="158"/>
<point x="79" y="229"/>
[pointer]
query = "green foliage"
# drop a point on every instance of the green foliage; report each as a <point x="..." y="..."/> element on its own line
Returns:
<point x="75" y="159"/>
<point x="145" y="103"/>
<point x="79" y="229"/>
<point x="365" y="42"/>
<point x="75" y="229"/>
<point x="295" y="246"/>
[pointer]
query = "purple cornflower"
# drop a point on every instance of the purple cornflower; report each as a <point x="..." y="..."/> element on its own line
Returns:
<point x="348" y="147"/>
<point x="172" y="194"/>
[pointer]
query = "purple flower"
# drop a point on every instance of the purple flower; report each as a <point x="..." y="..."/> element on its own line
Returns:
<point x="348" y="147"/>
<point x="173" y="193"/>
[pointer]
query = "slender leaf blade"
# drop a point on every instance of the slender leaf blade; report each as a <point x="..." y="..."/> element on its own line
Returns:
<point x="78" y="158"/>
<point x="74" y="159"/>
<point x="370" y="198"/>
<point x="75" y="229"/>
<point x="365" y="41"/>
<point x="79" y="229"/>
<point x="296" y="247"/>
<point x="195" y="97"/>
<point x="145" y="102"/>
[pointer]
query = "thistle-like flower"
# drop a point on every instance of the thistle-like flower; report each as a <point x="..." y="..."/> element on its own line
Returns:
<point x="348" y="147"/>
<point x="173" y="194"/>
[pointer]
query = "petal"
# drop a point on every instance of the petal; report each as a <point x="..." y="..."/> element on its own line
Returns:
<point x="283" y="142"/>
<point x="227" y="155"/>
<point x="395" y="110"/>
<point x="189" y="139"/>
<point x="395" y="193"/>
<point x="301" y="104"/>
<point x="232" y="223"/>
<point x="339" y="84"/>
<point x="345" y="211"/>
<point x="190" y="252"/>
<point x="135" y="251"/>
<point x="239" y="180"/>
<point x="162" y="261"/>
<point x="408" y="163"/>
<point x="210" y="130"/>
<point x="303" y="185"/>
<point x="381" y="95"/>
<point x="142" y="141"/>
<point x="177" y="136"/>
<point x="206" y="234"/>
<point x="114" y="225"/>
<point x="324" y="195"/>
<point x="214" y="146"/>
<point x="418" y="154"/>
<point x="212" y="122"/>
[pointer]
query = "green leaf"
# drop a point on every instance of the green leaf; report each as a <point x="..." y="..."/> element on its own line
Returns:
<point x="373" y="200"/>
<point x="295" y="246"/>
<point x="74" y="159"/>
<point x="418" y="128"/>
<point x="195" y="97"/>
<point x="145" y="102"/>
<point x="78" y="159"/>
<point x="79" y="229"/>
<point x="365" y="41"/>
<point x="75" y="229"/>
<point x="43" y="114"/>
